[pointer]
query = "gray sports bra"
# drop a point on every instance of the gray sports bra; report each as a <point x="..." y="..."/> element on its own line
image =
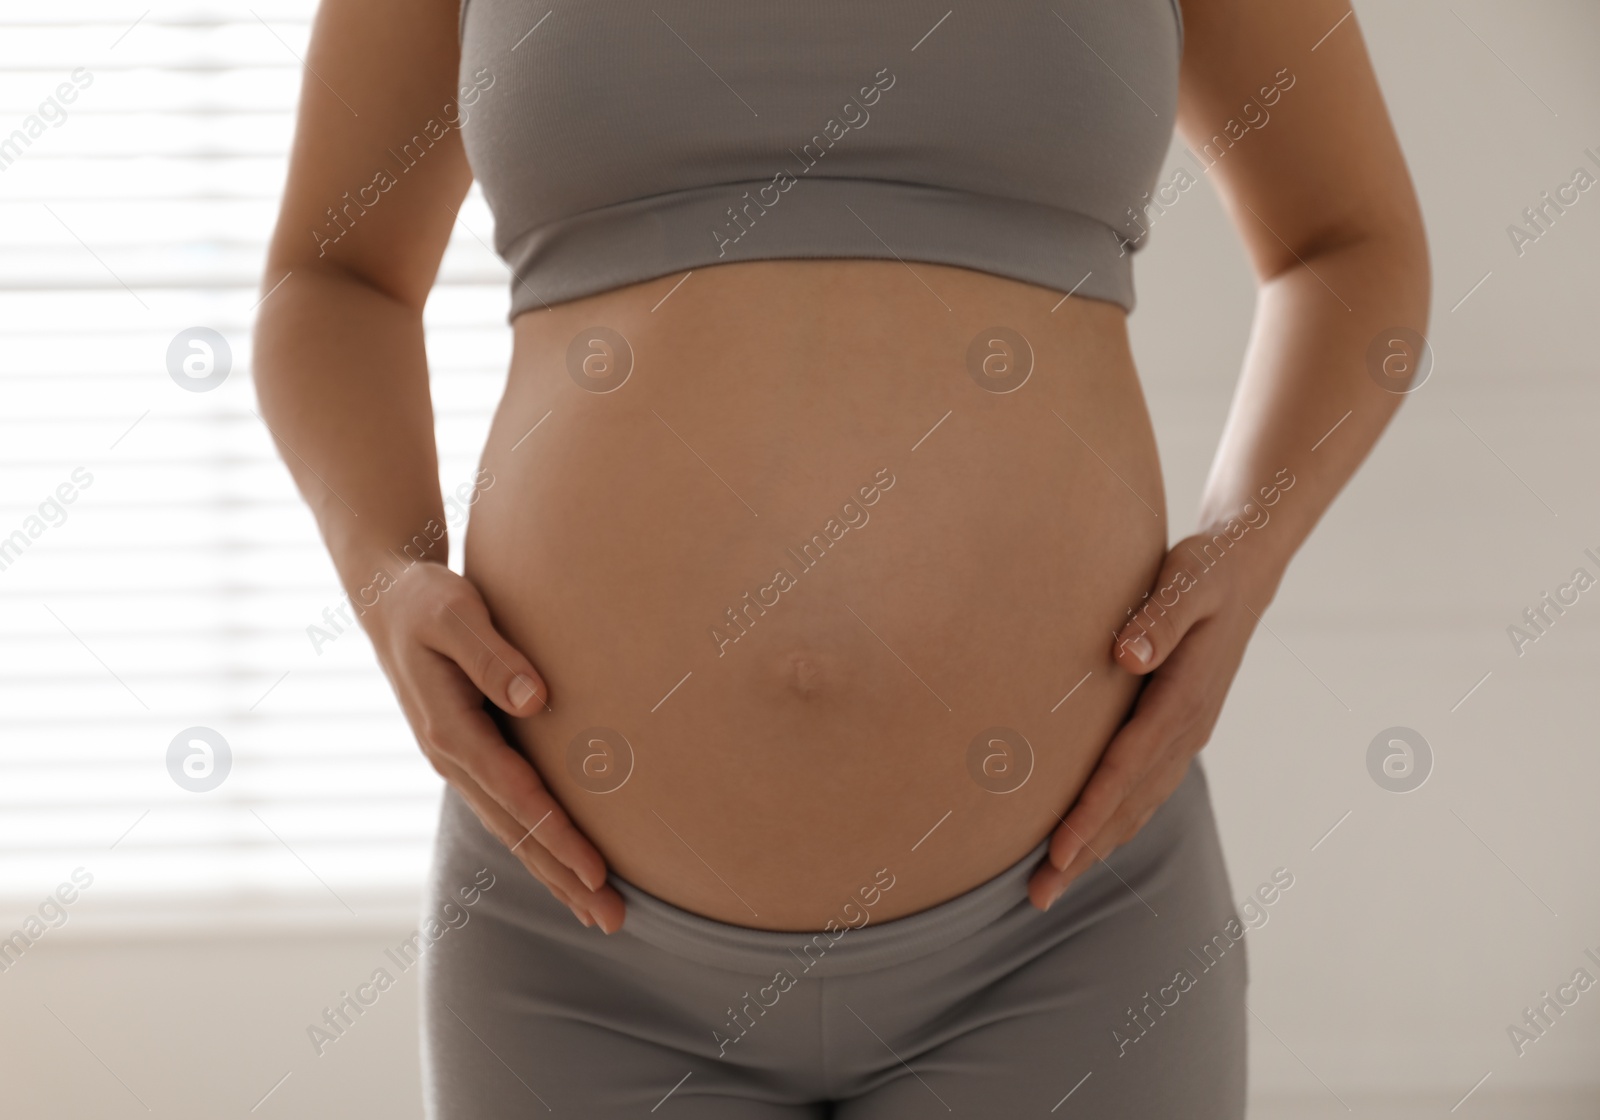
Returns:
<point x="623" y="141"/>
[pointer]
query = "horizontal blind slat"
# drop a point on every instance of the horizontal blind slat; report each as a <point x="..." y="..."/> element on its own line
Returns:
<point x="180" y="586"/>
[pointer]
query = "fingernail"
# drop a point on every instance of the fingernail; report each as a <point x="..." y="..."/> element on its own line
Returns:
<point x="584" y="918"/>
<point x="1142" y="649"/>
<point x="592" y="879"/>
<point x="520" y="691"/>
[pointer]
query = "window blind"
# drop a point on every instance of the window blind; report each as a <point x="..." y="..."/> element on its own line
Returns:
<point x="168" y="722"/>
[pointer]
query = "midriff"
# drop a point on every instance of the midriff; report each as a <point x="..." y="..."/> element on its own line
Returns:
<point x="803" y="558"/>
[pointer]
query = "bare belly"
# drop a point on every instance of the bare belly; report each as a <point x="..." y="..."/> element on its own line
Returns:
<point x="812" y="583"/>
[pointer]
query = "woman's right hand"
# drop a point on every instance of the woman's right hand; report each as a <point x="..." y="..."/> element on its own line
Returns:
<point x="434" y="638"/>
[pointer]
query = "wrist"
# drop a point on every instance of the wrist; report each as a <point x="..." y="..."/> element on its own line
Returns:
<point x="1245" y="547"/>
<point x="1256" y="529"/>
<point x="371" y="578"/>
<point x="388" y="549"/>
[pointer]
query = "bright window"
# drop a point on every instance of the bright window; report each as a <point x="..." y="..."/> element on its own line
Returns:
<point x="158" y="571"/>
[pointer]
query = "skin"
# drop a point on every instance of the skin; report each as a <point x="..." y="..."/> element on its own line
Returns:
<point x="984" y="574"/>
<point x="1328" y="214"/>
<point x="593" y="575"/>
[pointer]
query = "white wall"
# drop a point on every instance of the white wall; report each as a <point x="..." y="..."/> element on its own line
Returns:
<point x="1407" y="946"/>
<point x="1423" y="925"/>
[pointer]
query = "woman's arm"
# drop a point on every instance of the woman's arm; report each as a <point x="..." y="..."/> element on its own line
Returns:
<point x="1281" y="102"/>
<point x="376" y="174"/>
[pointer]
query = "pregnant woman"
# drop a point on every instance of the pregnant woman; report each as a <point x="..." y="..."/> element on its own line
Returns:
<point x="820" y="699"/>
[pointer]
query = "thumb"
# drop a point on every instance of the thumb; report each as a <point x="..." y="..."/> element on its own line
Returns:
<point x="468" y="637"/>
<point x="1167" y="612"/>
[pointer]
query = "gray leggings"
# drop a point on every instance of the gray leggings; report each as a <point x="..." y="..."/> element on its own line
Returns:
<point x="981" y="1007"/>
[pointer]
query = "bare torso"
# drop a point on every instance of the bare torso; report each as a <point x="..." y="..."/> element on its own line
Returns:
<point x="991" y="543"/>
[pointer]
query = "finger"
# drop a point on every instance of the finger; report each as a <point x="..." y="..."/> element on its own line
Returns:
<point x="503" y="828"/>
<point x="468" y="737"/>
<point x="1047" y="883"/>
<point x="1133" y="751"/>
<point x="512" y="781"/>
<point x="1117" y="832"/>
<point x="463" y="631"/>
<point x="604" y="904"/>
<point x="514" y="784"/>
<point x="1175" y="603"/>
<point x="604" y="907"/>
<point x="1171" y="706"/>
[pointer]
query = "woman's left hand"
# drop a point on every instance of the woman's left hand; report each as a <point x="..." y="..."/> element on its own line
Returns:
<point x="1190" y="649"/>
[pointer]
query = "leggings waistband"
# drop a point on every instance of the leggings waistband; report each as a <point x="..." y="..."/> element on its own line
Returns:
<point x="860" y="949"/>
<point x="846" y="950"/>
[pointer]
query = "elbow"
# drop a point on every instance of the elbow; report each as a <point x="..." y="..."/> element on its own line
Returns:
<point x="1407" y="272"/>
<point x="1388" y="258"/>
<point x="1403" y="245"/>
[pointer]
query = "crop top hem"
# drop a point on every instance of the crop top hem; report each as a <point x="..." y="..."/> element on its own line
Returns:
<point x="816" y="218"/>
